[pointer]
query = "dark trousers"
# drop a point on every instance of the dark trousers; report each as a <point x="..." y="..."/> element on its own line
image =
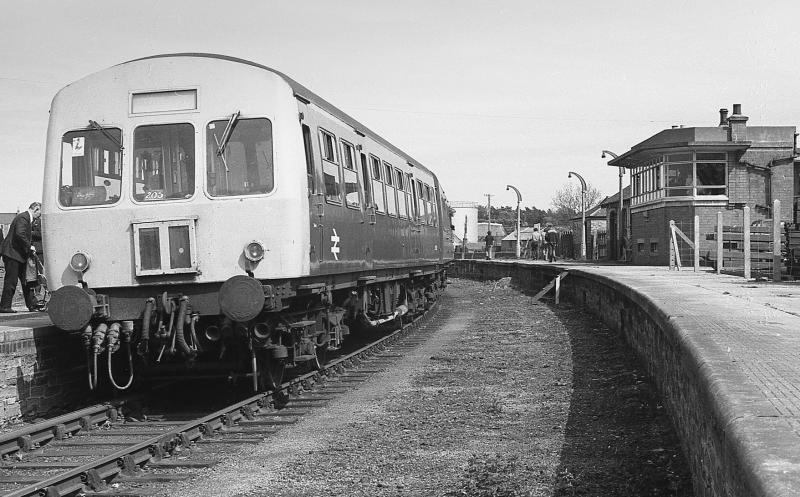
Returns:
<point x="15" y="271"/>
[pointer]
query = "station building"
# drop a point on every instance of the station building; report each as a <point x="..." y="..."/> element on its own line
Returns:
<point x="686" y="171"/>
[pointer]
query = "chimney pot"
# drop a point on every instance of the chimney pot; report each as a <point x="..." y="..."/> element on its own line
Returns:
<point x="737" y="109"/>
<point x="723" y="117"/>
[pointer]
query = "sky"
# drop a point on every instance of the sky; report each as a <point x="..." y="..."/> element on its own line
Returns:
<point x="484" y="93"/>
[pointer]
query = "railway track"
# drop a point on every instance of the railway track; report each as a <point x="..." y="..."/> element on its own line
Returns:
<point x="85" y="451"/>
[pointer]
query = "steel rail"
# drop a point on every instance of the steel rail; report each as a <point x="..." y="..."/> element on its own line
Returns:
<point x="128" y="459"/>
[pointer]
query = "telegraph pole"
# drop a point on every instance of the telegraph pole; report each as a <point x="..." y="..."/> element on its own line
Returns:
<point x="489" y="211"/>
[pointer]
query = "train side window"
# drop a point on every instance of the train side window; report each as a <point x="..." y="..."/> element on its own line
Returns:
<point x="413" y="197"/>
<point x="402" y="200"/>
<point x="428" y="205"/>
<point x="163" y="162"/>
<point x="330" y="168"/>
<point x="328" y="145"/>
<point x="434" y="209"/>
<point x="91" y="167"/>
<point x="351" y="194"/>
<point x="423" y="210"/>
<point x="391" y="193"/>
<point x="239" y="161"/>
<point x="377" y="185"/>
<point x="309" y="149"/>
<point x="367" y="185"/>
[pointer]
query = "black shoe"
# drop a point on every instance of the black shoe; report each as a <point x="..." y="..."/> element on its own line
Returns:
<point x="7" y="311"/>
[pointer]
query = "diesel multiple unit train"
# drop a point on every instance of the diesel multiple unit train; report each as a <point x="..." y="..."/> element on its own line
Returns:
<point x="204" y="215"/>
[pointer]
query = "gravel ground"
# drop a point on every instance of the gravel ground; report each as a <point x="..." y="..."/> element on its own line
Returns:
<point x="506" y="398"/>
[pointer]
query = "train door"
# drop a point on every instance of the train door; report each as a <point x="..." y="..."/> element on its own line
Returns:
<point x="316" y="203"/>
<point x="416" y="219"/>
<point x="370" y="217"/>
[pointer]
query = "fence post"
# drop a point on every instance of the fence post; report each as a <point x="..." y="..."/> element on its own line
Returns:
<point x="746" y="233"/>
<point x="776" y="241"/>
<point x="696" y="243"/>
<point x="670" y="236"/>
<point x="719" y="242"/>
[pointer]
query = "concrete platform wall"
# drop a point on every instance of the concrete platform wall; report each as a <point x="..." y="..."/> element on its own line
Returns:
<point x="685" y="378"/>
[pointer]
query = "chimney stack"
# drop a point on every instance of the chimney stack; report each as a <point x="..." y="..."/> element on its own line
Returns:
<point x="737" y="129"/>
<point x="723" y="117"/>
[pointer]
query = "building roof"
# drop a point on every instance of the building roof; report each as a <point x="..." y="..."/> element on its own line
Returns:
<point x="596" y="212"/>
<point x="497" y="230"/>
<point x="463" y="204"/>
<point x="731" y="134"/>
<point x="678" y="139"/>
<point x="524" y="235"/>
<point x="614" y="199"/>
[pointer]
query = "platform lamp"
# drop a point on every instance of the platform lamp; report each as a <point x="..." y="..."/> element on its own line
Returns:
<point x="618" y="234"/>
<point x="583" y="213"/>
<point x="519" y="199"/>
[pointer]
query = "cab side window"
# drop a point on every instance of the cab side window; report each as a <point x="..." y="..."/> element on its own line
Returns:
<point x="330" y="167"/>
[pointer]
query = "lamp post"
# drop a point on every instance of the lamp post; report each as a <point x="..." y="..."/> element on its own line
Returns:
<point x="583" y="213"/>
<point x="619" y="209"/>
<point x="519" y="199"/>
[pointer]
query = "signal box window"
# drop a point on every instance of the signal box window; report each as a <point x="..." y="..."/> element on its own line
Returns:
<point x="377" y="186"/>
<point x="330" y="169"/>
<point x="351" y="194"/>
<point x="163" y="162"/>
<point x="239" y="158"/>
<point x="91" y="167"/>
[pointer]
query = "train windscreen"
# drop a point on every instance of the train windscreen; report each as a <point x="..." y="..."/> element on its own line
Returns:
<point x="239" y="162"/>
<point x="91" y="167"/>
<point x="163" y="159"/>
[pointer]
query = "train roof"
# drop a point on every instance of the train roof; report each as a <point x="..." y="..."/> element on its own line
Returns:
<point x="305" y="94"/>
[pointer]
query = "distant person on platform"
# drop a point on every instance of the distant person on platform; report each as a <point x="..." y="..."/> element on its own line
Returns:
<point x="536" y="244"/>
<point x="550" y="242"/>
<point x="489" y="244"/>
<point x="15" y="249"/>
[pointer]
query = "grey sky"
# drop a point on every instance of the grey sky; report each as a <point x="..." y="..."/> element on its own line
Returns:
<point x="485" y="93"/>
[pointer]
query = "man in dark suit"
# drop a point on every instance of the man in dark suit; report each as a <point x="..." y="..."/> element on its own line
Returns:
<point x="15" y="249"/>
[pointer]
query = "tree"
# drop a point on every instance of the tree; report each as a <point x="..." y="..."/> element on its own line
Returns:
<point x="507" y="216"/>
<point x="567" y="200"/>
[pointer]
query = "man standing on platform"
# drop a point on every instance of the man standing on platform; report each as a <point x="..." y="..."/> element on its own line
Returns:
<point x="15" y="249"/>
<point x="489" y="244"/>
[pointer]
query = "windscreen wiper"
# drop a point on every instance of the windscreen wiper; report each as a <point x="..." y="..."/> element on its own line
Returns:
<point x="112" y="138"/>
<point x="226" y="135"/>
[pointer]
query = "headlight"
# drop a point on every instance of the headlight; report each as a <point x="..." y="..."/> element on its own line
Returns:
<point x="254" y="251"/>
<point x="80" y="262"/>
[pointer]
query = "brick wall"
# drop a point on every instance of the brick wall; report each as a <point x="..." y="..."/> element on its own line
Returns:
<point x="41" y="370"/>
